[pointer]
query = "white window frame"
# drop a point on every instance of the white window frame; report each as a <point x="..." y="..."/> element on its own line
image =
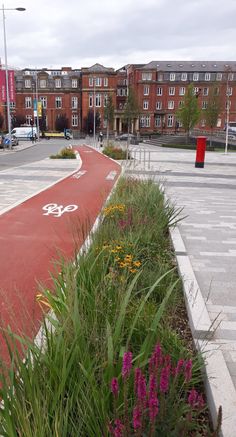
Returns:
<point x="42" y="83"/>
<point x="28" y="102"/>
<point x="171" y="91"/>
<point x="195" y="77"/>
<point x="74" y="83"/>
<point x="159" y="91"/>
<point x="170" y="120"/>
<point x="98" y="100"/>
<point x="57" y="83"/>
<point x="74" y="102"/>
<point x="74" y="120"/>
<point x="43" y="100"/>
<point x="98" y="81"/>
<point x="172" y="77"/>
<point x="158" y="121"/>
<point x="182" y="91"/>
<point x="171" y="104"/>
<point x="195" y="90"/>
<point x="231" y="76"/>
<point x="58" y="102"/>
<point x="90" y="100"/>
<point x="146" y="90"/>
<point x="207" y="76"/>
<point x="204" y="104"/>
<point x="105" y="100"/>
<point x="90" y="81"/>
<point x="27" y="83"/>
<point x="218" y="76"/>
<point x="105" y="81"/>
<point x="146" y="76"/>
<point x="184" y="77"/>
<point x="145" y="104"/>
<point x="205" y="91"/>
<point x="28" y="119"/>
<point x="229" y="91"/>
<point x="159" y="105"/>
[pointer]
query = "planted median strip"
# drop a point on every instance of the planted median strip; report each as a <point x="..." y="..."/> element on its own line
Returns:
<point x="118" y="359"/>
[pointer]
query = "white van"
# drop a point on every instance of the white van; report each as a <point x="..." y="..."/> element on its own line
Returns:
<point x="24" y="132"/>
<point x="232" y="128"/>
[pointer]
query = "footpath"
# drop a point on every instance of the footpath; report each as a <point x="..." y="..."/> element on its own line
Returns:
<point x="205" y="247"/>
<point x="64" y="199"/>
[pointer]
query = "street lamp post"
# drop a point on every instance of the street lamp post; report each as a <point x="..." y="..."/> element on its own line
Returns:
<point x="3" y="9"/>
<point x="94" y="114"/>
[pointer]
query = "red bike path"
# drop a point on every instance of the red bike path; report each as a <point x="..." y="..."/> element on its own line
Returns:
<point x="32" y="239"/>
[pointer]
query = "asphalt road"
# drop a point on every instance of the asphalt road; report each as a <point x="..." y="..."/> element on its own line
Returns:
<point x="39" y="151"/>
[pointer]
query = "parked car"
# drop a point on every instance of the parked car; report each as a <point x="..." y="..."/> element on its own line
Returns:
<point x="124" y="137"/>
<point x="3" y="138"/>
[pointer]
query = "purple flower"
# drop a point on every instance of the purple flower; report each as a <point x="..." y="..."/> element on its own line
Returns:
<point x="137" y="418"/>
<point x="141" y="389"/>
<point x="155" y="359"/>
<point x="137" y="374"/>
<point x="152" y="385"/>
<point x="200" y="402"/>
<point x="115" y="387"/>
<point x="127" y="364"/>
<point x="188" y="370"/>
<point x="118" y="430"/>
<point x="192" y="397"/>
<point x="179" y="366"/>
<point x="153" y="405"/>
<point x="164" y="379"/>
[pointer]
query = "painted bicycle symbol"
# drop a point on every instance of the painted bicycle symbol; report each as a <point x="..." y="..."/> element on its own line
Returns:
<point x="58" y="210"/>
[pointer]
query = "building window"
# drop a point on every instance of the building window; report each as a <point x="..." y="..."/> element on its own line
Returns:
<point x="98" y="100"/>
<point x="203" y="123"/>
<point x="105" y="81"/>
<point x="58" y="102"/>
<point x="181" y="103"/>
<point x="184" y="76"/>
<point x="74" y="83"/>
<point x="27" y="83"/>
<point x="12" y="105"/>
<point x="159" y="91"/>
<point x="28" y="102"/>
<point x="170" y="121"/>
<point x="172" y="77"/>
<point x="207" y="76"/>
<point x="28" y="119"/>
<point x="171" y="91"/>
<point x="98" y="81"/>
<point x="146" y="90"/>
<point x="216" y="91"/>
<point x="146" y="76"/>
<point x="160" y="77"/>
<point x="90" y="81"/>
<point x="218" y="76"/>
<point x="205" y="91"/>
<point x="90" y="100"/>
<point x="145" y="104"/>
<point x="158" y="121"/>
<point x="74" y="120"/>
<point x="195" y="90"/>
<point x="229" y="91"/>
<point x="231" y="76"/>
<point x="44" y="102"/>
<point x="171" y="104"/>
<point x="204" y="104"/>
<point x="158" y="105"/>
<point x="74" y="102"/>
<point x="57" y="83"/>
<point x="145" y="121"/>
<point x="218" y="124"/>
<point x="42" y="83"/>
<point x="182" y="91"/>
<point x="195" y="76"/>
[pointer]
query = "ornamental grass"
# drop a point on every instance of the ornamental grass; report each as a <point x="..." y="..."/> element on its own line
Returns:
<point x="110" y="309"/>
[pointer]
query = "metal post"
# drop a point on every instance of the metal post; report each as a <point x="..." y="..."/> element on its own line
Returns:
<point x="7" y="86"/>
<point x="94" y="114"/>
<point x="227" y="122"/>
<point x="37" y="98"/>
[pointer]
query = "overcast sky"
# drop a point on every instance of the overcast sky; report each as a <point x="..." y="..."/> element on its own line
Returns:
<point x="79" y="33"/>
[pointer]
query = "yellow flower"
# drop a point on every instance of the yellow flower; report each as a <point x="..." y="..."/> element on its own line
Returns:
<point x="137" y="263"/>
<point x="133" y="270"/>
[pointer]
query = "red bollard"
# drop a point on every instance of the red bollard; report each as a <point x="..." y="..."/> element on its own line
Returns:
<point x="200" y="153"/>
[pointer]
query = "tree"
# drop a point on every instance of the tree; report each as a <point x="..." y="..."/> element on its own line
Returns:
<point x="42" y="122"/>
<point x="89" y="121"/>
<point x="109" y="114"/>
<point x="17" y="120"/>
<point x="213" y="109"/>
<point x="61" y="123"/>
<point x="189" y="113"/>
<point x="131" y="109"/>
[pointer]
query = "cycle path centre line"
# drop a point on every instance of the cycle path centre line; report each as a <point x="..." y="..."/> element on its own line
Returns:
<point x="36" y="234"/>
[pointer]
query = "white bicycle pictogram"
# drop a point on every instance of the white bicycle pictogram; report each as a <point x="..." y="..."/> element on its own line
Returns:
<point x="58" y="210"/>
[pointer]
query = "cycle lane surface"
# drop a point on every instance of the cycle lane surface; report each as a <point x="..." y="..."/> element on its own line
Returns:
<point x="37" y="233"/>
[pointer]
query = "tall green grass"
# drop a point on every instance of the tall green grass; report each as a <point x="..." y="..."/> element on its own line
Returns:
<point x="119" y="296"/>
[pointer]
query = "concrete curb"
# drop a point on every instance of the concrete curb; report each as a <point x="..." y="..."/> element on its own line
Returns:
<point x="219" y="386"/>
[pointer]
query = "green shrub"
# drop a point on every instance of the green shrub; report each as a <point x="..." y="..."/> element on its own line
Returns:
<point x="115" y="152"/>
<point x="66" y="153"/>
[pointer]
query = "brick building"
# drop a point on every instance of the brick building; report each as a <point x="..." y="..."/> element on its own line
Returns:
<point x="159" y="86"/>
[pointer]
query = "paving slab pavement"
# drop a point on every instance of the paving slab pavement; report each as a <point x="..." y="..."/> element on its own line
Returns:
<point x="207" y="197"/>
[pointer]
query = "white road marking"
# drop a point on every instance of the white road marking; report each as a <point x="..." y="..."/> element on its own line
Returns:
<point x="111" y="175"/>
<point x="79" y="174"/>
<point x="58" y="210"/>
